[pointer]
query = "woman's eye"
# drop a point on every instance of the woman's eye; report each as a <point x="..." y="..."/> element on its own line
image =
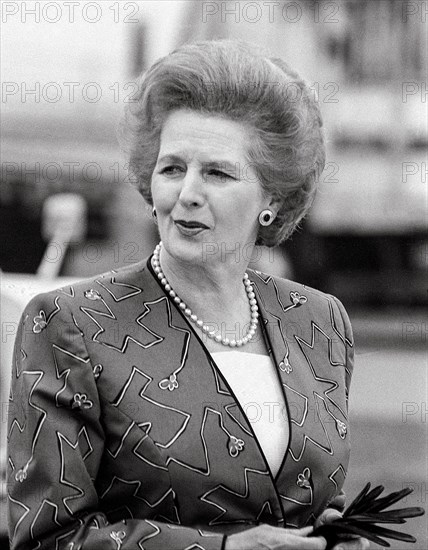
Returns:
<point x="220" y="174"/>
<point x="171" y="170"/>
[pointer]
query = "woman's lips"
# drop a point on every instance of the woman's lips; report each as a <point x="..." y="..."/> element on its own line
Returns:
<point x="191" y="223"/>
<point x="189" y="228"/>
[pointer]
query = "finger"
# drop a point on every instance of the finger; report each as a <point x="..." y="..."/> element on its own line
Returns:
<point x="294" y="542"/>
<point x="356" y="544"/>
<point x="303" y="532"/>
<point x="329" y="515"/>
<point x="339" y="502"/>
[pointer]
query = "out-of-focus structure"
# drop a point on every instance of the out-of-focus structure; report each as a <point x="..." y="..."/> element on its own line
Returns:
<point x="366" y="237"/>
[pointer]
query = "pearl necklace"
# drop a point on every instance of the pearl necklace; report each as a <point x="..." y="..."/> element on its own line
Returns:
<point x="198" y="322"/>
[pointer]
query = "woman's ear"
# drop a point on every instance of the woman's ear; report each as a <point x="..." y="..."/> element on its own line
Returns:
<point x="274" y="205"/>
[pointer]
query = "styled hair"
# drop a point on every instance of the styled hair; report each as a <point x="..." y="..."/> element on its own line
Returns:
<point x="231" y="79"/>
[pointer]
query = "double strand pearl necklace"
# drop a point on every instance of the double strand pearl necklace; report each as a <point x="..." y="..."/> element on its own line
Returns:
<point x="198" y="322"/>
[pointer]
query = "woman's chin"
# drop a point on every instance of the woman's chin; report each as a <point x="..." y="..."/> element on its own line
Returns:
<point x="190" y="248"/>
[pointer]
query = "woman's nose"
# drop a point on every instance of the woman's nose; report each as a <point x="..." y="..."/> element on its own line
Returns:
<point x="191" y="192"/>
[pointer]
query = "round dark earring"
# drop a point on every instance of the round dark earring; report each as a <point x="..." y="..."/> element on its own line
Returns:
<point x="266" y="217"/>
<point x="155" y="215"/>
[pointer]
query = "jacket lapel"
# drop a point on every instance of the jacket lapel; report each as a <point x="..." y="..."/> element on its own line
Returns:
<point x="210" y="434"/>
<point x="311" y="363"/>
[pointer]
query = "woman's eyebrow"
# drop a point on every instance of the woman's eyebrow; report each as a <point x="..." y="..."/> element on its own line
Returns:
<point x="222" y="165"/>
<point x="227" y="165"/>
<point x="170" y="158"/>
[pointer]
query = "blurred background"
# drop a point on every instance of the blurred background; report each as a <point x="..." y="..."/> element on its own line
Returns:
<point x="69" y="211"/>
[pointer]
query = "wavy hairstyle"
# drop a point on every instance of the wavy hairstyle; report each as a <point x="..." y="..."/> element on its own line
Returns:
<point x="232" y="79"/>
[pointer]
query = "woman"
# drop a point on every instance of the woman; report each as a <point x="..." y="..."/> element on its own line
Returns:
<point x="132" y="418"/>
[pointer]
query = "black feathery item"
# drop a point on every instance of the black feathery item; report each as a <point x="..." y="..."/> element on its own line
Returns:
<point x="362" y="515"/>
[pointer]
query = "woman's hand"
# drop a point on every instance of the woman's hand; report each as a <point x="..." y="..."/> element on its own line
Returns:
<point x="356" y="543"/>
<point x="267" y="537"/>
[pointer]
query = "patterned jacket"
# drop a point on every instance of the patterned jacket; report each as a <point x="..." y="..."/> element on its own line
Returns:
<point x="123" y="433"/>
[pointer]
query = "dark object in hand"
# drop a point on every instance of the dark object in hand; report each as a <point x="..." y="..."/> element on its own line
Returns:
<point x="362" y="515"/>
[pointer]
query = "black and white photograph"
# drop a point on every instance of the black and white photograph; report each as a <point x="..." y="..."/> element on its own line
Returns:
<point x="214" y="275"/>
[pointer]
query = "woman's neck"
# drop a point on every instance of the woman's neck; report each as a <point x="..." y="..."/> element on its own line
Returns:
<point x="213" y="287"/>
<point x="216" y="294"/>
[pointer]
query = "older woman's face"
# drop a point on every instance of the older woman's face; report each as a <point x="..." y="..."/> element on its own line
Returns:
<point x="207" y="196"/>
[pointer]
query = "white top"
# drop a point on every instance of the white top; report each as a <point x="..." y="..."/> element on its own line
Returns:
<point x="254" y="380"/>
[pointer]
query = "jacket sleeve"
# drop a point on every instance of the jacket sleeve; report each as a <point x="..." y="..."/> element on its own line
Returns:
<point x="338" y="502"/>
<point x="345" y="329"/>
<point x="56" y="443"/>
